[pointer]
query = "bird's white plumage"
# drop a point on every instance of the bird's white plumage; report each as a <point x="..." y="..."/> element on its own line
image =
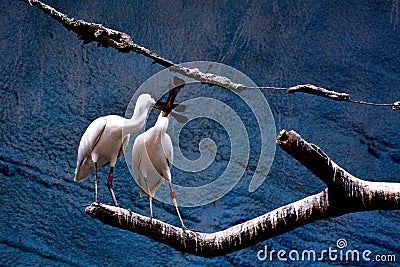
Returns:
<point x="152" y="156"/>
<point x="106" y="138"/>
<point x="85" y="165"/>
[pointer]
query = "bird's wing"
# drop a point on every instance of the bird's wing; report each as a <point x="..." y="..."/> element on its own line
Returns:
<point x="137" y="167"/>
<point x="124" y="144"/>
<point x="90" y="138"/>
<point x="167" y="149"/>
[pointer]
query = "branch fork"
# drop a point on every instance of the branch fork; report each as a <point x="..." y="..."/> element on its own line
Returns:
<point x="344" y="194"/>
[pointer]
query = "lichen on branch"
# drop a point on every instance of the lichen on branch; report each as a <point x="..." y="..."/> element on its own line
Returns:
<point x="93" y="32"/>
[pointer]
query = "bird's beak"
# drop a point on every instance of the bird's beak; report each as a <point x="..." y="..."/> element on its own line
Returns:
<point x="168" y="106"/>
<point x="159" y="105"/>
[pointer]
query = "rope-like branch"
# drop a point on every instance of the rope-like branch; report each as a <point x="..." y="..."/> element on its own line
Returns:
<point x="122" y="42"/>
<point x="344" y="194"/>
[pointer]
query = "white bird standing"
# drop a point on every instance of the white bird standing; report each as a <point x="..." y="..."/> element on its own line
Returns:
<point x="105" y="140"/>
<point x="152" y="156"/>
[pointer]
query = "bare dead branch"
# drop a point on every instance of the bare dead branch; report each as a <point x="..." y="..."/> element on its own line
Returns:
<point x="92" y="32"/>
<point x="315" y="90"/>
<point x="396" y="105"/>
<point x="344" y="194"/>
<point x="210" y="245"/>
<point x="350" y="194"/>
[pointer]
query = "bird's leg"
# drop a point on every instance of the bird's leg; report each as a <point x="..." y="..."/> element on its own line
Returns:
<point x="95" y="183"/>
<point x="173" y="196"/>
<point x="150" y="199"/>
<point x="110" y="186"/>
<point x="151" y="207"/>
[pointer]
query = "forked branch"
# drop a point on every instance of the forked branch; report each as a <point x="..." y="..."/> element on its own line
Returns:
<point x="344" y="194"/>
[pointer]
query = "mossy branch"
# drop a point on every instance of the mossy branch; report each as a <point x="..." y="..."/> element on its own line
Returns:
<point x="93" y="32"/>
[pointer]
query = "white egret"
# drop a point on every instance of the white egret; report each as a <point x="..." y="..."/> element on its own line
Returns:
<point x="152" y="156"/>
<point x="105" y="140"/>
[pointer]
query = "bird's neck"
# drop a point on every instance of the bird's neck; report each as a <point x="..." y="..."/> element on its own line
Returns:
<point x="158" y="130"/>
<point x="161" y="125"/>
<point x="135" y="123"/>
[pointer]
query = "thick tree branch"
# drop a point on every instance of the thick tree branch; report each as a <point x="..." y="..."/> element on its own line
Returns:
<point x="344" y="194"/>
<point x="348" y="193"/>
<point x="90" y="32"/>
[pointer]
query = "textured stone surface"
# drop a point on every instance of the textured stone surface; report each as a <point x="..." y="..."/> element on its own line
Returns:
<point x="52" y="87"/>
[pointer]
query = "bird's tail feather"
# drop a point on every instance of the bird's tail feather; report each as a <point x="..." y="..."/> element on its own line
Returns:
<point x="83" y="171"/>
